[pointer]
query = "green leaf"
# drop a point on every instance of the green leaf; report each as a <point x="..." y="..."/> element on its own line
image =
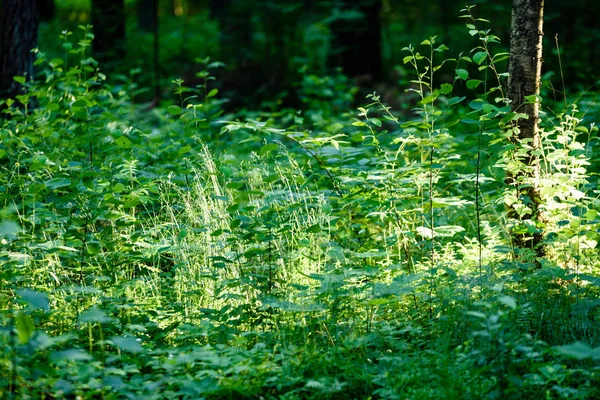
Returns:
<point x="56" y="183"/>
<point x="184" y="150"/>
<point x="479" y="57"/>
<point x="429" y="99"/>
<point x="266" y="149"/>
<point x="446" y="88"/>
<point x="9" y="229"/>
<point x="70" y="355"/>
<point x="508" y="301"/>
<point x="376" y="122"/>
<point x="473" y="83"/>
<point x="174" y="110"/>
<point x="476" y="314"/>
<point x="94" y="314"/>
<point x="25" y="327"/>
<point x="576" y="350"/>
<point x="93" y="248"/>
<point x="19" y="79"/>
<point x="212" y="93"/>
<point x="455" y="100"/>
<point x="35" y="300"/>
<point x="314" y="228"/>
<point x="128" y="344"/>
<point x="462" y="74"/>
<point x="123" y="142"/>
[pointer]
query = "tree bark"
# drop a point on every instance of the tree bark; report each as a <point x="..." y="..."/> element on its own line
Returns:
<point x="108" y="19"/>
<point x="19" y="21"/>
<point x="525" y="67"/>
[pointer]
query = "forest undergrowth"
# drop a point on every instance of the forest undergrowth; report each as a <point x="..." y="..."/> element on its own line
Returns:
<point x="180" y="252"/>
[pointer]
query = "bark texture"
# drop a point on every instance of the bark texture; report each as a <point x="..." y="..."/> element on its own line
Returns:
<point x="108" y="19"/>
<point x="525" y="68"/>
<point x="19" y="22"/>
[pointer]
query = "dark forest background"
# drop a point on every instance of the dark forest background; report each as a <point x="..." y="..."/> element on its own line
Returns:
<point x="269" y="46"/>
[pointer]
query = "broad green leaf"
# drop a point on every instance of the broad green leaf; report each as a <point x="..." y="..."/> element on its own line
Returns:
<point x="34" y="299"/>
<point x="93" y="248"/>
<point x="9" y="229"/>
<point x="314" y="228"/>
<point x="19" y="79"/>
<point x="266" y="149"/>
<point x="56" y="183"/>
<point x="455" y="100"/>
<point x="479" y="57"/>
<point x="70" y="355"/>
<point x="473" y="83"/>
<point x="576" y="350"/>
<point x="174" y="110"/>
<point x="94" y="314"/>
<point x="462" y="74"/>
<point x="123" y="142"/>
<point x="128" y="344"/>
<point x="446" y="88"/>
<point x="212" y="93"/>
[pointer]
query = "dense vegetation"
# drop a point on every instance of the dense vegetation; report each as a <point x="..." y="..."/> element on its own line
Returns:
<point x="186" y="250"/>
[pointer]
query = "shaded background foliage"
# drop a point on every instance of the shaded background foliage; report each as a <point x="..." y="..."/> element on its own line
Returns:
<point x="267" y="45"/>
<point x="174" y="249"/>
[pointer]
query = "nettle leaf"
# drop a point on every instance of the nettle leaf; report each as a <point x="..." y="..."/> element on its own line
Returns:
<point x="94" y="314"/>
<point x="57" y="183"/>
<point x="70" y="355"/>
<point x="9" y="229"/>
<point x="35" y="300"/>
<point x="578" y="350"/>
<point x="128" y="344"/>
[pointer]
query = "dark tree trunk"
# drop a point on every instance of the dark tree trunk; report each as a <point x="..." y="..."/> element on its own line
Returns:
<point x="18" y="35"/>
<point x="108" y="19"/>
<point x="525" y="74"/>
<point x="358" y="42"/>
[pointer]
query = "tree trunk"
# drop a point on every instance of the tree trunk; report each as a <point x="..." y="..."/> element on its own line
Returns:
<point x="108" y="19"/>
<point x="525" y="67"/>
<point x="18" y="35"/>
